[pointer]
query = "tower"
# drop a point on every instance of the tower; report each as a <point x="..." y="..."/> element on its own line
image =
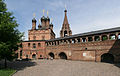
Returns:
<point x="65" y="31"/>
<point x="34" y="23"/>
<point x="44" y="30"/>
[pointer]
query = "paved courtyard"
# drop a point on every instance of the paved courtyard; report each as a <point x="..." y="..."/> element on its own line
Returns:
<point x="65" y="68"/>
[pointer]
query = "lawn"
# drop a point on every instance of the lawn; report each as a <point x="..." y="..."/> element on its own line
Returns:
<point x="6" y="72"/>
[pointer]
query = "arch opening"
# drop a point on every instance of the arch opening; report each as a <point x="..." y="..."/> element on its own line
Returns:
<point x="34" y="56"/>
<point x="104" y="37"/>
<point x="108" y="58"/>
<point x="90" y="39"/>
<point x="65" y="33"/>
<point x="62" y="55"/>
<point x="51" y="55"/>
<point x="97" y="38"/>
<point x="112" y="37"/>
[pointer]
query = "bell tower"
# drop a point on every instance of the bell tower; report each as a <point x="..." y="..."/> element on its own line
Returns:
<point x="65" y="31"/>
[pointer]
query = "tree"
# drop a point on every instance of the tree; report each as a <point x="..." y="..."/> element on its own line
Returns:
<point x="10" y="36"/>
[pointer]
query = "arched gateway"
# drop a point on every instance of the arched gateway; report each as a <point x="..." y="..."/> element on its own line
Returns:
<point x="62" y="55"/>
<point x="109" y="58"/>
<point x="34" y="56"/>
<point x="51" y="55"/>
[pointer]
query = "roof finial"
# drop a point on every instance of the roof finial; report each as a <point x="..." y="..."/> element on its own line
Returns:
<point x="65" y="7"/>
<point x="34" y="15"/>
<point x="43" y="12"/>
<point x="47" y="13"/>
<point x="39" y="21"/>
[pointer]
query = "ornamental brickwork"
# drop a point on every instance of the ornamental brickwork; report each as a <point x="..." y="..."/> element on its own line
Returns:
<point x="101" y="45"/>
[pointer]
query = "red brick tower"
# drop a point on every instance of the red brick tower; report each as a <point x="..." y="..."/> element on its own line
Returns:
<point x="65" y="31"/>
<point x="44" y="31"/>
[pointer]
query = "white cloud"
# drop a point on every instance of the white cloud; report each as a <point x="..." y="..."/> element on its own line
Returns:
<point x="83" y="15"/>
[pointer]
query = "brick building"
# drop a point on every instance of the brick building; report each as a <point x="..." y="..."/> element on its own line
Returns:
<point x="101" y="45"/>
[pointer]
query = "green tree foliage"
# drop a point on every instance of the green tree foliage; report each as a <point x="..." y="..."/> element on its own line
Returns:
<point x="10" y="37"/>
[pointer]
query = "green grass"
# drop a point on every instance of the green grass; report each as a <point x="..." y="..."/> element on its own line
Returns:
<point x="6" y="72"/>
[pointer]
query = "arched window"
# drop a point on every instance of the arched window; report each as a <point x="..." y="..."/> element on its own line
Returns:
<point x="97" y="38"/>
<point x="83" y="39"/>
<point x="34" y="45"/>
<point x="73" y="40"/>
<point x="26" y="56"/>
<point x="39" y="45"/>
<point x="65" y="33"/>
<point x="104" y="37"/>
<point x="78" y="40"/>
<point x="28" y="44"/>
<point x="90" y="39"/>
<point x="112" y="37"/>
<point x="34" y="56"/>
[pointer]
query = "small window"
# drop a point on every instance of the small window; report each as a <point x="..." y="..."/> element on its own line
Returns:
<point x="28" y="44"/>
<point x="34" y="45"/>
<point x="40" y="55"/>
<point x="39" y="45"/>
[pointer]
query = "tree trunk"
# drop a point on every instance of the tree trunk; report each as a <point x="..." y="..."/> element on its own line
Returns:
<point x="5" y="62"/>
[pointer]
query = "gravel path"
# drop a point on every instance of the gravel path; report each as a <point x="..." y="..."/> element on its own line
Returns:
<point x="69" y="68"/>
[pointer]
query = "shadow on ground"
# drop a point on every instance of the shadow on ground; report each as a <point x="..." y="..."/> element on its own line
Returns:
<point x="117" y="65"/>
<point x="18" y="65"/>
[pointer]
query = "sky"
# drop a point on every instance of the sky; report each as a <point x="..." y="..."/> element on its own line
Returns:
<point x="83" y="15"/>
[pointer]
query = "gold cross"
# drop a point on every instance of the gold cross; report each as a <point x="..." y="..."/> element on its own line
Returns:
<point x="65" y="7"/>
<point x="43" y="12"/>
<point x="39" y="21"/>
<point x="34" y="15"/>
<point x="47" y="13"/>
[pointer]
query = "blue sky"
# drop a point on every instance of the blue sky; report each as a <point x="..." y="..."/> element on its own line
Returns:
<point x="83" y="15"/>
